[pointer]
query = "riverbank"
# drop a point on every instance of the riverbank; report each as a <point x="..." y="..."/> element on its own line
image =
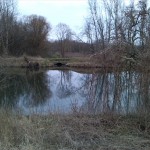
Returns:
<point x="20" y="62"/>
<point x="70" y="132"/>
<point x="72" y="62"/>
<point x="48" y="62"/>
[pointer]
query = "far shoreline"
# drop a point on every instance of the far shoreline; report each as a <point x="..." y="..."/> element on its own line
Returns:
<point x="81" y="63"/>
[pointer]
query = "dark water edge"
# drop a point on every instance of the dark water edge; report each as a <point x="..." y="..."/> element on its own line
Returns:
<point x="91" y="91"/>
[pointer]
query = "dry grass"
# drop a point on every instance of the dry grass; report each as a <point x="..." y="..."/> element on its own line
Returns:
<point x="72" y="132"/>
<point x="81" y="62"/>
<point x="105" y="59"/>
<point x="44" y="62"/>
<point x="19" y="61"/>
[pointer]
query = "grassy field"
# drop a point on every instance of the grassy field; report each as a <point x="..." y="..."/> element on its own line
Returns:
<point x="73" y="132"/>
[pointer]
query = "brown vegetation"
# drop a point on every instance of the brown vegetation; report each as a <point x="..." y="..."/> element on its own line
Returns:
<point x="102" y="132"/>
<point x="20" y="62"/>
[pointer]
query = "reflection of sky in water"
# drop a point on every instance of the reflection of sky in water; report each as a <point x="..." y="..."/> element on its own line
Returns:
<point x="56" y="103"/>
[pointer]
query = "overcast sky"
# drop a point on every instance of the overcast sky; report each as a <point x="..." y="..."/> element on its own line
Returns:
<point x="71" y="12"/>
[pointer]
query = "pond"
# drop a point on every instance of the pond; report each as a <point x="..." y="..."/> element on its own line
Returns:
<point x="68" y="91"/>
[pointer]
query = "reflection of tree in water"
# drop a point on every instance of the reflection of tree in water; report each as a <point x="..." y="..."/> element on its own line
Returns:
<point x="64" y="87"/>
<point x="37" y="91"/>
<point x="32" y="88"/>
<point x="94" y="89"/>
<point x="11" y="87"/>
<point x="144" y="92"/>
<point x="120" y="92"/>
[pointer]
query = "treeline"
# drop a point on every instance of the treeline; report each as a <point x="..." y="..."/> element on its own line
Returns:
<point x="69" y="48"/>
<point x="27" y="35"/>
<point x="113" y="24"/>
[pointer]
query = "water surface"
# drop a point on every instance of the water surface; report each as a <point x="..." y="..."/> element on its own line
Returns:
<point x="67" y="91"/>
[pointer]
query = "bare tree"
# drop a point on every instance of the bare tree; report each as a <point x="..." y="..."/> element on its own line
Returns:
<point x="105" y="24"/>
<point x="94" y="28"/>
<point x="88" y="31"/>
<point x="64" y="34"/>
<point x="148" y="30"/>
<point x="37" y="29"/>
<point x="143" y="14"/>
<point x="7" y="19"/>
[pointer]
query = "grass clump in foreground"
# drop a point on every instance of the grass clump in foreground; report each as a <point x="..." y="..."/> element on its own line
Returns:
<point x="73" y="132"/>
